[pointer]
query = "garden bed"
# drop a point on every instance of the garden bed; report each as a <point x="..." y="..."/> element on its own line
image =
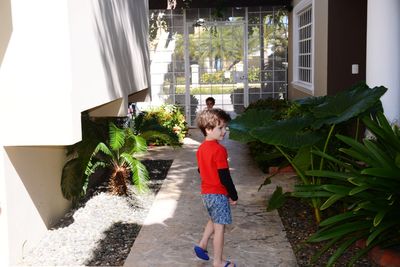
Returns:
<point x="298" y="219"/>
<point x="102" y="229"/>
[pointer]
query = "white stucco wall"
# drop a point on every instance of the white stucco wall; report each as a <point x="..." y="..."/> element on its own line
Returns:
<point x="35" y="75"/>
<point x="109" y="51"/>
<point x="383" y="55"/>
<point x="64" y="57"/>
<point x="57" y="59"/>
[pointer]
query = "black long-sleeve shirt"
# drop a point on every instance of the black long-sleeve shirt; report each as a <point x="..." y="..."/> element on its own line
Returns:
<point x="226" y="180"/>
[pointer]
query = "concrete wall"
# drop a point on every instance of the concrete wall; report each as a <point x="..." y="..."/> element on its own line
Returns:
<point x="57" y="59"/>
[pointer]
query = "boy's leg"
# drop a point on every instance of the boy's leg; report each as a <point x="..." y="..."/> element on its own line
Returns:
<point x="218" y="243"/>
<point x="208" y="231"/>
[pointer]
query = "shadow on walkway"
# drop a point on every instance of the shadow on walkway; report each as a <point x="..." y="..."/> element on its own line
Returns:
<point x="176" y="219"/>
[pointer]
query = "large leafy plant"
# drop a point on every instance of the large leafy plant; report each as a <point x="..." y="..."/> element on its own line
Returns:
<point x="267" y="155"/>
<point x="117" y="156"/>
<point x="368" y="183"/>
<point x="312" y="128"/>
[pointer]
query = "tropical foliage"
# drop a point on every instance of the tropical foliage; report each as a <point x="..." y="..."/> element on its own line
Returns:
<point x="82" y="157"/>
<point x="311" y="126"/>
<point x="164" y="125"/>
<point x="367" y="183"/>
<point x="117" y="156"/>
<point x="73" y="178"/>
<point x="266" y="155"/>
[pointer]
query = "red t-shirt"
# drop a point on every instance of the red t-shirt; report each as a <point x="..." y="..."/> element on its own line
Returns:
<point x="212" y="156"/>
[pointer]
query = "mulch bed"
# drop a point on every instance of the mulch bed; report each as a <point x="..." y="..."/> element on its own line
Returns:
<point x="298" y="219"/>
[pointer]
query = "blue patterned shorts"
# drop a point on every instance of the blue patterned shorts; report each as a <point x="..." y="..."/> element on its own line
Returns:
<point x="218" y="208"/>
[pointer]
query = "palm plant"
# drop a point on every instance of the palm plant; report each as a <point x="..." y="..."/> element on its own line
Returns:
<point x="368" y="184"/>
<point x="118" y="157"/>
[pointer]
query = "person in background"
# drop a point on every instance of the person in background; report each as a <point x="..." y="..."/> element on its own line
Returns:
<point x="210" y="102"/>
<point x="217" y="188"/>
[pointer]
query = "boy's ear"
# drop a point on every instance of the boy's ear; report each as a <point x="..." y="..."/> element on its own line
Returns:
<point x="208" y="130"/>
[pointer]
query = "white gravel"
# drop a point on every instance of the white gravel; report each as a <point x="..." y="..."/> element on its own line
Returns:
<point x="80" y="242"/>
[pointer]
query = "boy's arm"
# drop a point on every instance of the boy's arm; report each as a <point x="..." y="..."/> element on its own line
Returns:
<point x="226" y="180"/>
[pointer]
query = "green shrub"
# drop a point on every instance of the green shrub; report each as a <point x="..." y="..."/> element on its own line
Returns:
<point x="280" y="106"/>
<point x="214" y="77"/>
<point x="253" y="74"/>
<point x="164" y="125"/>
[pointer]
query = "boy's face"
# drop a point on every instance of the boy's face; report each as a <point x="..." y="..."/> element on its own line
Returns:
<point x="209" y="104"/>
<point x="217" y="133"/>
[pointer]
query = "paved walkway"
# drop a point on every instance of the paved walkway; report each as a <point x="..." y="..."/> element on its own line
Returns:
<point x="176" y="219"/>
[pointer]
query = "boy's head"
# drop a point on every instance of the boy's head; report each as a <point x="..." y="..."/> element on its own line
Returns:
<point x="210" y="102"/>
<point x="210" y="118"/>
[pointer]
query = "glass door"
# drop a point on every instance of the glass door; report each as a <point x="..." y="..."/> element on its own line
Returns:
<point x="238" y="57"/>
<point x="217" y="65"/>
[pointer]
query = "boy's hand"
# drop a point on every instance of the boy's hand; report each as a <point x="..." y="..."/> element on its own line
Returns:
<point x="232" y="202"/>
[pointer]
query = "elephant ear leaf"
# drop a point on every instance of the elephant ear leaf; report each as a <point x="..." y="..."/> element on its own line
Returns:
<point x="309" y="102"/>
<point x="290" y="133"/>
<point x="277" y="199"/>
<point x="347" y="104"/>
<point x="239" y="128"/>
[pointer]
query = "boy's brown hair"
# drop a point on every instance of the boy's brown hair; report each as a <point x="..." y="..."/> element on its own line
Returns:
<point x="210" y="118"/>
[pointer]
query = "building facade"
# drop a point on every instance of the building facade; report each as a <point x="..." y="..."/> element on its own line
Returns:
<point x="57" y="60"/>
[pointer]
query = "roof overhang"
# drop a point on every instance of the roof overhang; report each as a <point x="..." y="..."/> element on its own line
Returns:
<point x="163" y="4"/>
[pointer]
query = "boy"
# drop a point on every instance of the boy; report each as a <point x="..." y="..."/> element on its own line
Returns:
<point x="210" y="102"/>
<point x="217" y="188"/>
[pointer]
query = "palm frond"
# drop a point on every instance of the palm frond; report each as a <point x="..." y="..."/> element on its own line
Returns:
<point x="139" y="143"/>
<point x="103" y="148"/>
<point x="140" y="175"/>
<point x="117" y="137"/>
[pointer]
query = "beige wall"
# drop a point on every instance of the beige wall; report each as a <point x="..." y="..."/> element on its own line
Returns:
<point x="5" y="26"/>
<point x="34" y="200"/>
<point x="320" y="53"/>
<point x="4" y="248"/>
<point x="57" y="59"/>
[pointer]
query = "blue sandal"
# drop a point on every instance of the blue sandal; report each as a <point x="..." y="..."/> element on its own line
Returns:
<point x="201" y="253"/>
<point x="227" y="264"/>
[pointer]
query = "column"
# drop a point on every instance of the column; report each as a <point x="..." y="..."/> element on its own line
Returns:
<point x="383" y="55"/>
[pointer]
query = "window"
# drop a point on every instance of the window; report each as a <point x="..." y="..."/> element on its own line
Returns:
<point x="303" y="45"/>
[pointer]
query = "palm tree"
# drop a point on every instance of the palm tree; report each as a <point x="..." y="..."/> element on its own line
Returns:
<point x="117" y="156"/>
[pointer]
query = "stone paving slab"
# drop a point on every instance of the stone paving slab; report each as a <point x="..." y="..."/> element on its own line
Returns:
<point x="176" y="219"/>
